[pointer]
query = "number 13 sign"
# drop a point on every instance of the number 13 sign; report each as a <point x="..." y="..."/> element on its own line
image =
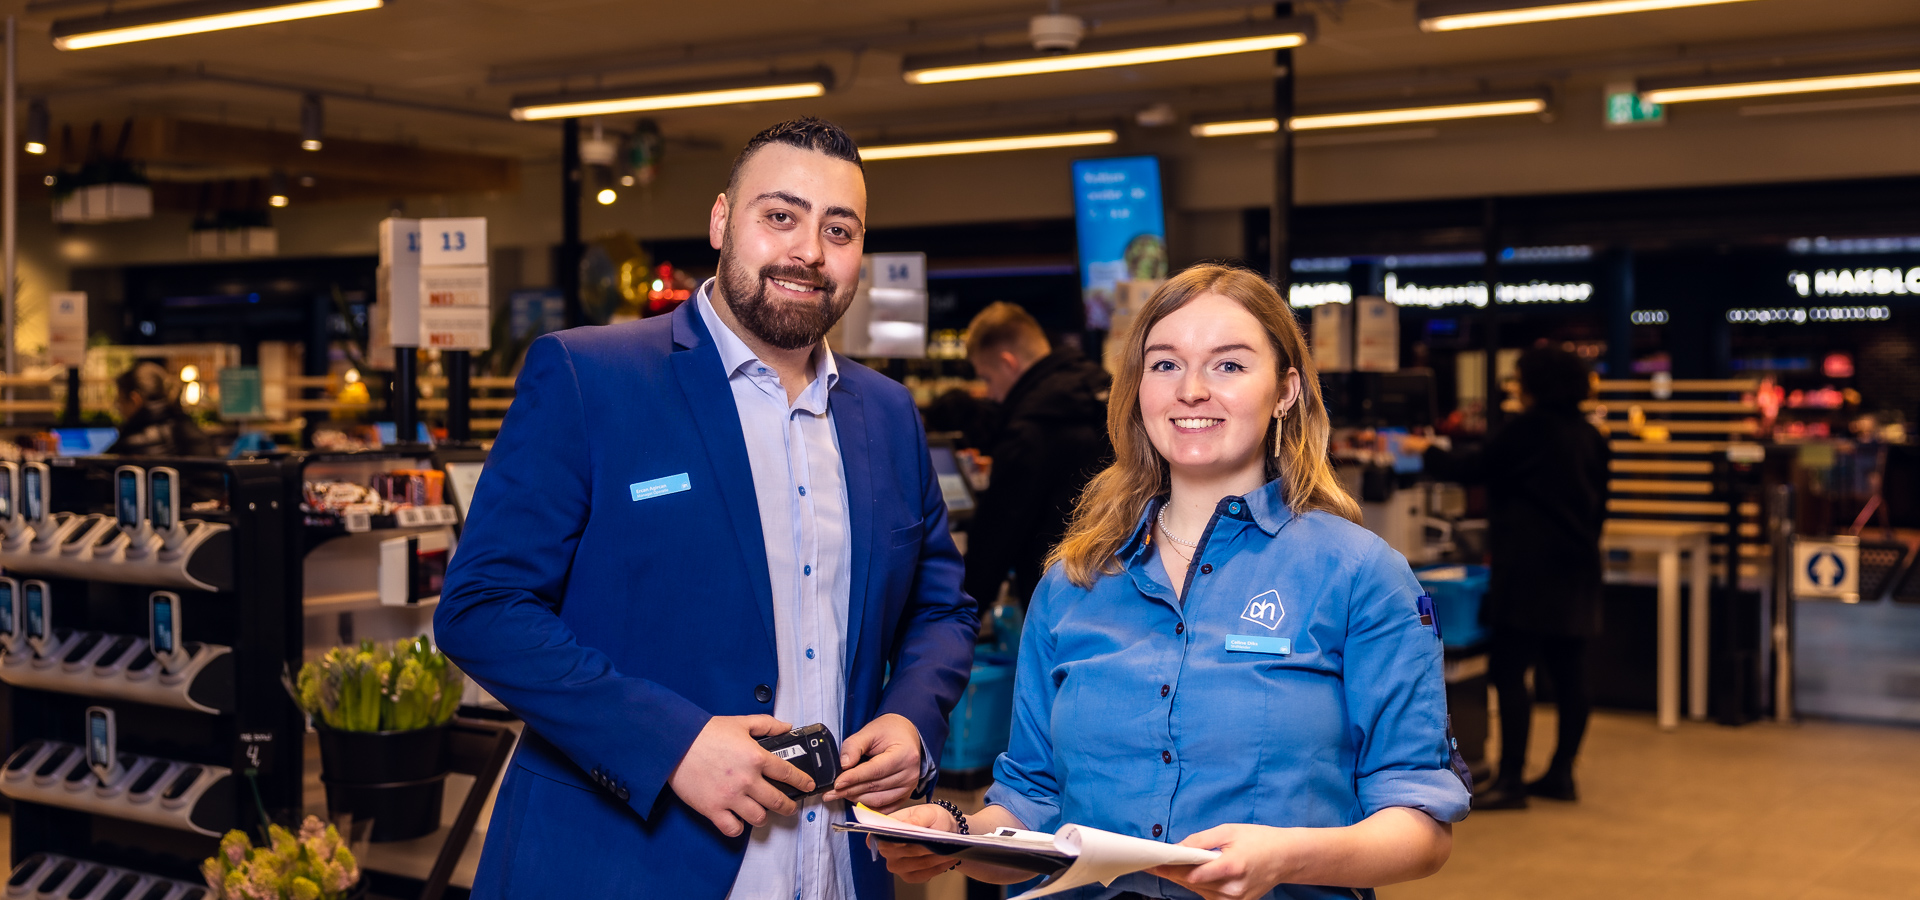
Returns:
<point x="453" y="242"/>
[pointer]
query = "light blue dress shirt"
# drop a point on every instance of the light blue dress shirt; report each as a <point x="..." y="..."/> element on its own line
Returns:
<point x="800" y="486"/>
<point x="1296" y="685"/>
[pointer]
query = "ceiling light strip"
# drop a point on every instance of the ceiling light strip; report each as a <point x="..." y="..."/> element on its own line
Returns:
<point x="559" y="109"/>
<point x="102" y="32"/>
<point x="1314" y="122"/>
<point x="1074" y="62"/>
<point x="991" y="145"/>
<point x="1527" y="15"/>
<point x="1775" y="87"/>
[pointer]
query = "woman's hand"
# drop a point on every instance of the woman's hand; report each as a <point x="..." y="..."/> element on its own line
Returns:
<point x="912" y="862"/>
<point x="1253" y="858"/>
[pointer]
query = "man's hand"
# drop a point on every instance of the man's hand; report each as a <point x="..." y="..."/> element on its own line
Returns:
<point x="912" y="862"/>
<point x="891" y="747"/>
<point x="725" y="774"/>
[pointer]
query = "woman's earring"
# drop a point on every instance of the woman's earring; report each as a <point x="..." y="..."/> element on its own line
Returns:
<point x="1279" y="419"/>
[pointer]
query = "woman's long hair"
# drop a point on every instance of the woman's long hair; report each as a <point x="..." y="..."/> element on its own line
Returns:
<point x="1111" y="506"/>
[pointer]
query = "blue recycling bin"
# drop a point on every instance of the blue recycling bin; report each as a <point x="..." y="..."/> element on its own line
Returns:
<point x="1457" y="592"/>
<point x="978" y="730"/>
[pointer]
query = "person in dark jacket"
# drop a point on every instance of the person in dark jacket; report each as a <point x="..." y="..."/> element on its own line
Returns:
<point x="1051" y="438"/>
<point x="1546" y="478"/>
<point x="152" y="422"/>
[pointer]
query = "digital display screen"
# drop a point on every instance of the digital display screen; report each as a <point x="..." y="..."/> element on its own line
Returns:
<point x="83" y="441"/>
<point x="99" y="753"/>
<point x="7" y="608"/>
<point x="126" y="501"/>
<point x="953" y="484"/>
<point x="36" y="611"/>
<point x="1122" y="231"/>
<point x="7" y="477"/>
<point x="160" y="500"/>
<point x="31" y="504"/>
<point x="162" y="626"/>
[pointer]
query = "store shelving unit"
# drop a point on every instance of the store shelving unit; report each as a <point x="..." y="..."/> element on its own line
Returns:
<point x="205" y="749"/>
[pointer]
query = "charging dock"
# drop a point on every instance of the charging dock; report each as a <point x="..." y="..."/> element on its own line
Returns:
<point x="121" y="667"/>
<point x="171" y="794"/>
<point x="92" y="547"/>
<point x="50" y="875"/>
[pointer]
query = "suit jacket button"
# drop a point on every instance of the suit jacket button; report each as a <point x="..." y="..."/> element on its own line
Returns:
<point x="622" y="794"/>
<point x="763" y="693"/>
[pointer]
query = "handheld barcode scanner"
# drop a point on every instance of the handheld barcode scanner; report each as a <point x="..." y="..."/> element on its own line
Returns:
<point x="36" y="600"/>
<point x="163" y="631"/>
<point x="163" y="506"/>
<point x="11" y="524"/>
<point x="36" y="495"/>
<point x="102" y="755"/>
<point x="130" y="503"/>
<point x="9" y="614"/>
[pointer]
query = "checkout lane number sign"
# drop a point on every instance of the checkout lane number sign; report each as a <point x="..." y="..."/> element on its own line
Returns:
<point x="1826" y="570"/>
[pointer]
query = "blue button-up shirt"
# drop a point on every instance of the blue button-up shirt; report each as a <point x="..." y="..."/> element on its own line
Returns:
<point x="1296" y="685"/>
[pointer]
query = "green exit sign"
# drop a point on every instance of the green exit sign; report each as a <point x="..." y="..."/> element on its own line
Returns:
<point x="1626" y="109"/>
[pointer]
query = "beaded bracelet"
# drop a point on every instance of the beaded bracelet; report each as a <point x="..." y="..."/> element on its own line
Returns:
<point x="959" y="818"/>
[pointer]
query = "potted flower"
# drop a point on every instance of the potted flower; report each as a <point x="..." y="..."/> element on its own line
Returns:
<point x="312" y="865"/>
<point x="382" y="711"/>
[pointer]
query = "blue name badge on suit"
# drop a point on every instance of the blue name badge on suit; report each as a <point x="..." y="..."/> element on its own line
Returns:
<point x="660" y="487"/>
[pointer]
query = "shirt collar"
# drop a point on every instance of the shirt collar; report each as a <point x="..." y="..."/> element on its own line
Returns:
<point x="736" y="355"/>
<point x="1266" y="507"/>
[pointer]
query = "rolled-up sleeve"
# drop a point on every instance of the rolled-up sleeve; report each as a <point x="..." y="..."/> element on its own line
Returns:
<point x="1024" y="781"/>
<point x="1397" y="697"/>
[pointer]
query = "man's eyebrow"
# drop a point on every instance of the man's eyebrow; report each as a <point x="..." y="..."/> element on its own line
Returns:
<point x="843" y="211"/>
<point x="785" y="197"/>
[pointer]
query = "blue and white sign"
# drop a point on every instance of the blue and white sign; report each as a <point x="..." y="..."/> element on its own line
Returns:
<point x="1265" y="611"/>
<point x="1826" y="569"/>
<point x="1122" y="229"/>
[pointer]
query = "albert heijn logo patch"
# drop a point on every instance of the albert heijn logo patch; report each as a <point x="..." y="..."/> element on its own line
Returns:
<point x="1266" y="610"/>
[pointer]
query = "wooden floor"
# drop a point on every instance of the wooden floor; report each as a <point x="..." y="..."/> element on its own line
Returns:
<point x="1790" y="812"/>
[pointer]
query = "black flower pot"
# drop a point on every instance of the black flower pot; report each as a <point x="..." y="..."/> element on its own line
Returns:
<point x="395" y="778"/>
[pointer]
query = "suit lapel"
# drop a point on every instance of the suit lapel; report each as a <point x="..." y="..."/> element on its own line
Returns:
<point x="697" y="367"/>
<point x="856" y="458"/>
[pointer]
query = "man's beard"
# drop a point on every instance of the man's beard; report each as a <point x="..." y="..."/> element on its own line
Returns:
<point x="787" y="324"/>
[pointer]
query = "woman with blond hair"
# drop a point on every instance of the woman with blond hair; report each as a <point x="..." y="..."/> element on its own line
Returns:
<point x="1219" y="656"/>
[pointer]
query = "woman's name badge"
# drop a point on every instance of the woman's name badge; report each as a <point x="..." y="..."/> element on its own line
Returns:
<point x="1248" y="643"/>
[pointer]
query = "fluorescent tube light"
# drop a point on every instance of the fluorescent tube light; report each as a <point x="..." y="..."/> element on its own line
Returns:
<point x="991" y="145"/>
<point x="1439" y="15"/>
<point x="1273" y="34"/>
<point x="190" y="18"/>
<point x="654" y="97"/>
<point x="1668" y="91"/>
<point x="1436" y="112"/>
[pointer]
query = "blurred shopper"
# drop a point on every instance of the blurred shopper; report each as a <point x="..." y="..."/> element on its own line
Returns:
<point x="1219" y="655"/>
<point x="1546" y="478"/>
<point x="1050" y="439"/>
<point x="152" y="421"/>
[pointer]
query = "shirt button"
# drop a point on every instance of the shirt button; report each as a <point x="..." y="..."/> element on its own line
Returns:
<point x="809" y="652"/>
<point x="806" y="570"/>
<point x="1233" y="507"/>
<point x="763" y="693"/>
<point x="1180" y="628"/>
<point x="1164" y="689"/>
<point x="1166" y="756"/>
<point x="803" y="490"/>
<point x="1206" y="568"/>
<point x="1156" y="831"/>
<point x="809" y="815"/>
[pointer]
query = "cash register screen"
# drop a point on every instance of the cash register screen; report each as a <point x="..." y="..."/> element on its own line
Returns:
<point x="953" y="485"/>
<point x="84" y="441"/>
<point x="462" y="478"/>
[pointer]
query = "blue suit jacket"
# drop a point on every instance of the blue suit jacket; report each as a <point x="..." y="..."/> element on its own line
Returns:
<point x="616" y="627"/>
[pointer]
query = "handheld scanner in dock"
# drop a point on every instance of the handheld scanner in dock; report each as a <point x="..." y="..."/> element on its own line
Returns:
<point x="10" y="635"/>
<point x="163" y="630"/>
<point x="36" y="493"/>
<point x="163" y="499"/>
<point x="102" y="755"/>
<point x="130" y="499"/>
<point x="9" y="490"/>
<point x="36" y="600"/>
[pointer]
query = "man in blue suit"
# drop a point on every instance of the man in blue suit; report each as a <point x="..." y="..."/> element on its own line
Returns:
<point x="701" y="529"/>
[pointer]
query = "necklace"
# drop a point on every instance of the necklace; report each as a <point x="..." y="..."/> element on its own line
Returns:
<point x="1190" y="545"/>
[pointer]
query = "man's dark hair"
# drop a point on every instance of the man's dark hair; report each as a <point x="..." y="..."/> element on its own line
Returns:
<point x="1554" y="377"/>
<point x="807" y="133"/>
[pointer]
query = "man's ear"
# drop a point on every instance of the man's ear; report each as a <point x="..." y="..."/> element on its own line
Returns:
<point x="717" y="221"/>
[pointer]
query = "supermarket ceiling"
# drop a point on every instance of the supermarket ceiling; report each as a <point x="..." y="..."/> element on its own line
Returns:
<point x="444" y="73"/>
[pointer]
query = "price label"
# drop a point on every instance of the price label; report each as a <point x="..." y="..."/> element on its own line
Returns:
<point x="453" y="242"/>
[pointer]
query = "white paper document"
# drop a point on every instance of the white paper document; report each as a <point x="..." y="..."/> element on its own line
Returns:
<point x="1075" y="856"/>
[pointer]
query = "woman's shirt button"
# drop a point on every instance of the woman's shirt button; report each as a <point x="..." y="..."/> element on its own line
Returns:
<point x="1180" y="628"/>
<point x="1156" y="831"/>
<point x="1166" y="756"/>
<point x="1164" y="689"/>
<point x="1206" y="568"/>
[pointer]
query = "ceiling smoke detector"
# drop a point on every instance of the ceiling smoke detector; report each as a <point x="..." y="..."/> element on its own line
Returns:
<point x="598" y="150"/>
<point x="1056" y="33"/>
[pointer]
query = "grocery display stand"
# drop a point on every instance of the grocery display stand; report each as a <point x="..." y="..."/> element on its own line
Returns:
<point x="209" y="747"/>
